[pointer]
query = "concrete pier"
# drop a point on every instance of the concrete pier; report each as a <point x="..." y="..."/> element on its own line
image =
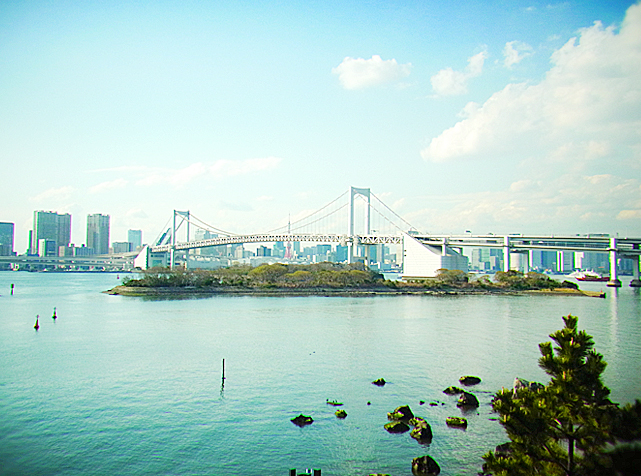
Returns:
<point x="614" y="282"/>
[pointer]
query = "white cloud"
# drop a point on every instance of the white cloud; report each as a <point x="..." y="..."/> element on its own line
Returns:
<point x="110" y="185"/>
<point x="629" y="215"/>
<point x="359" y="73"/>
<point x="552" y="205"/>
<point x="179" y="178"/>
<point x="60" y="193"/>
<point x="590" y="99"/>
<point x="515" y="51"/>
<point x="448" y="82"/>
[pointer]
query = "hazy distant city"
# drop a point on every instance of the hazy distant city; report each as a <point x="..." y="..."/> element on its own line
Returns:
<point x="51" y="237"/>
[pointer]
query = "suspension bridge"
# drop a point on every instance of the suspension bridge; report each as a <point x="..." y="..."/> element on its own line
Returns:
<point x="366" y="222"/>
<point x="370" y="223"/>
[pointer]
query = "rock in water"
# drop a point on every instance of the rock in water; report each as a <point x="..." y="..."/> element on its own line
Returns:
<point x="302" y="420"/>
<point x="340" y="414"/>
<point x="379" y="381"/>
<point x="520" y="383"/>
<point x="469" y="380"/>
<point x="402" y="413"/>
<point x="425" y="466"/>
<point x="396" y="427"/>
<point x="467" y="400"/>
<point x="457" y="422"/>
<point x="453" y="390"/>
<point x="422" y="434"/>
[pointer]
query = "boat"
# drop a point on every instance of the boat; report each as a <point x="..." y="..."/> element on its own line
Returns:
<point x="589" y="276"/>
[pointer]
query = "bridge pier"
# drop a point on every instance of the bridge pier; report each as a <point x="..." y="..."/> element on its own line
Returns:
<point x="506" y="253"/>
<point x="614" y="282"/>
<point x="636" y="283"/>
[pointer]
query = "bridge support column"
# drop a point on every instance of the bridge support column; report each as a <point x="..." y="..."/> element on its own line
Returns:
<point x="636" y="283"/>
<point x="365" y="192"/>
<point x="526" y="265"/>
<point x="506" y="254"/>
<point x="614" y="280"/>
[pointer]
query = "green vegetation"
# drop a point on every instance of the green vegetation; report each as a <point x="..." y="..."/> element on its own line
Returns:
<point x="278" y="275"/>
<point x="569" y="427"/>
<point x="510" y="280"/>
<point x="336" y="276"/>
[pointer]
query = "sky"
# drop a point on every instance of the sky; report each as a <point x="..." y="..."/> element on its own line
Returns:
<point x="499" y="116"/>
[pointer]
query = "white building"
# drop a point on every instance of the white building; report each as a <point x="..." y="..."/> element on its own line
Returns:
<point x="423" y="261"/>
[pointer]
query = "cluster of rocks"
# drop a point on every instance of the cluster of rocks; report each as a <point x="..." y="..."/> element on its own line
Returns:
<point x="402" y="418"/>
<point x="466" y="400"/>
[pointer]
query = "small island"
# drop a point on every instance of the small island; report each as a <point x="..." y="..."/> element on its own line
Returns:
<point x="332" y="279"/>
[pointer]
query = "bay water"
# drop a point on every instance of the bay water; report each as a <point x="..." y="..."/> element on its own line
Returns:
<point x="128" y="385"/>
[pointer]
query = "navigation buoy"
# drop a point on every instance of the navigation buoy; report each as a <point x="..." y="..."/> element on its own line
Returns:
<point x="36" y="325"/>
<point x="54" y="317"/>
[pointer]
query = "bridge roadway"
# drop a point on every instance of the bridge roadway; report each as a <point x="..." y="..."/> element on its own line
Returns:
<point x="119" y="261"/>
<point x="268" y="238"/>
<point x="628" y="247"/>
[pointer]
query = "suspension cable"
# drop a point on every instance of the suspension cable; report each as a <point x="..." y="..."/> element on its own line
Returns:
<point x="395" y="214"/>
<point x="212" y="228"/>
<point x="311" y="214"/>
<point x="320" y="218"/>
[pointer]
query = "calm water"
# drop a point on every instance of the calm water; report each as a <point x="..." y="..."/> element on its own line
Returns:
<point x="123" y="385"/>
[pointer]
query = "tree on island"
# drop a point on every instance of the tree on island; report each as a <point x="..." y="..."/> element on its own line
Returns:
<point x="569" y="427"/>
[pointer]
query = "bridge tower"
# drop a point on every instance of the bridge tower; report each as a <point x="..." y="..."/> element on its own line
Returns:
<point x="184" y="216"/>
<point x="364" y="192"/>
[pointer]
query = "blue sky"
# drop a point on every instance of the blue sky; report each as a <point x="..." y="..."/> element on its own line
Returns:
<point x="504" y="117"/>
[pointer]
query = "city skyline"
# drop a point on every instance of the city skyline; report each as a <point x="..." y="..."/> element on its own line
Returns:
<point x="519" y="118"/>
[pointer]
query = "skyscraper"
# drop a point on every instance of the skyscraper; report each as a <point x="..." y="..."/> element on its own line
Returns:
<point x="6" y="239"/>
<point x="98" y="233"/>
<point x="50" y="226"/>
<point x="135" y="238"/>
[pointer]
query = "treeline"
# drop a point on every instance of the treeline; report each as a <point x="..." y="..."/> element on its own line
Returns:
<point x="512" y="280"/>
<point x="335" y="275"/>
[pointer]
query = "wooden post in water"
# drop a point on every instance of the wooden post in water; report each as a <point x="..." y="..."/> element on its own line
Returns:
<point x="223" y="371"/>
<point x="12" y="289"/>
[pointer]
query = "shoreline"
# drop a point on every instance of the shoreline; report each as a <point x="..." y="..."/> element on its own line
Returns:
<point x="132" y="291"/>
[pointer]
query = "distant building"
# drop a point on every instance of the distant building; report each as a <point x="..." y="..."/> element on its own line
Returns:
<point x="121" y="247"/>
<point x="543" y="260"/>
<point x="98" y="233"/>
<point x="6" y="239"/>
<point x="279" y="249"/>
<point x="341" y="253"/>
<point x="201" y="235"/>
<point x="135" y="238"/>
<point x="50" y="226"/>
<point x="82" y="251"/>
<point x="564" y="261"/>
<point x="263" y="251"/>
<point x="47" y="248"/>
<point x="592" y="260"/>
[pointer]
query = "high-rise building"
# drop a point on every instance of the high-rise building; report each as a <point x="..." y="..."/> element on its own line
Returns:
<point x="135" y="238"/>
<point x="6" y="239"/>
<point x="50" y="226"/>
<point x="98" y="233"/>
